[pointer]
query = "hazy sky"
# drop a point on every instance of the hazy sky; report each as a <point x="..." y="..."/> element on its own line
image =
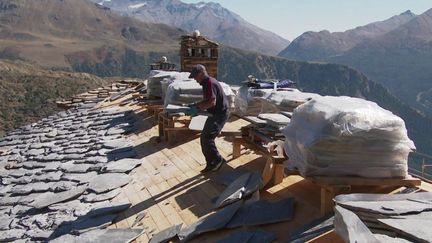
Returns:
<point x="291" y="18"/>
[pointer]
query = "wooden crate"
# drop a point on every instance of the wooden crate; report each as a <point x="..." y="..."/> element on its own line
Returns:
<point x="170" y="125"/>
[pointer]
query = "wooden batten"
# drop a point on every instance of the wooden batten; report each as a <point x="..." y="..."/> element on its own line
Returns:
<point x="165" y="66"/>
<point x="199" y="50"/>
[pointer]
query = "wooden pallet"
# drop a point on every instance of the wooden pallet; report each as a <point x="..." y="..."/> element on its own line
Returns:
<point x="170" y="125"/>
<point x="333" y="186"/>
<point x="155" y="110"/>
<point x="274" y="170"/>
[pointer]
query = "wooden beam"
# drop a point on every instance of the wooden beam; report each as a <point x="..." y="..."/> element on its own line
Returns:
<point x="328" y="237"/>
<point x="327" y="204"/>
<point x="237" y="142"/>
<point x="357" y="181"/>
<point x="279" y="174"/>
<point x="268" y="172"/>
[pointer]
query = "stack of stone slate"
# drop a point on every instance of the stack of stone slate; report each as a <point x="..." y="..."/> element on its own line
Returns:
<point x="275" y="120"/>
<point x="157" y="78"/>
<point x="116" y="89"/>
<point x="251" y="102"/>
<point x="345" y="136"/>
<point x="59" y="175"/>
<point x="187" y="91"/>
<point x="384" y="218"/>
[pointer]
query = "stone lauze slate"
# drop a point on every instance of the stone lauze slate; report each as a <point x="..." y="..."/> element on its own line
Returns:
<point x="93" y="197"/>
<point x="50" y="198"/>
<point x="121" y="166"/>
<point x="166" y="235"/>
<point x="263" y="212"/>
<point x="414" y="229"/>
<point x="351" y="228"/>
<point x="256" y="236"/>
<point x="102" y="236"/>
<point x="244" y="186"/>
<point x="106" y="182"/>
<point x="406" y="215"/>
<point x="50" y="163"/>
<point x="213" y="222"/>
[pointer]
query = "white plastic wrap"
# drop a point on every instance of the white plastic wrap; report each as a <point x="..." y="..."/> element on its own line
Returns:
<point x="159" y="80"/>
<point x="183" y="92"/>
<point x="164" y="86"/>
<point x="344" y="136"/>
<point x="188" y="91"/>
<point x="229" y="94"/>
<point x="251" y="102"/>
<point x="277" y="146"/>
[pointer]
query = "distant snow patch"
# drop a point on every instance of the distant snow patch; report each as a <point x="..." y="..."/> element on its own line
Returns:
<point x="200" y="4"/>
<point x="139" y="5"/>
<point x="104" y="1"/>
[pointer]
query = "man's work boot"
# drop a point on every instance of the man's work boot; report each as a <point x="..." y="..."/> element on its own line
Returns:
<point x="208" y="168"/>
<point x="218" y="165"/>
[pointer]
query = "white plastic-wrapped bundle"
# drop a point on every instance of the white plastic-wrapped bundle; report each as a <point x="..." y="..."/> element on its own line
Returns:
<point x="183" y="92"/>
<point x="251" y="102"/>
<point x="188" y="91"/>
<point x="159" y="80"/>
<point x="248" y="102"/>
<point x="344" y="136"/>
<point x="229" y="94"/>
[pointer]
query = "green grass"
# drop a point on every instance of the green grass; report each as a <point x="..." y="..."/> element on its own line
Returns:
<point x="28" y="93"/>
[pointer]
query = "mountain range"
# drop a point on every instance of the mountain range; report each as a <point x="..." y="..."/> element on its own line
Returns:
<point x="67" y="34"/>
<point x="103" y="43"/>
<point x="320" y="45"/>
<point x="210" y="18"/>
<point x="396" y="52"/>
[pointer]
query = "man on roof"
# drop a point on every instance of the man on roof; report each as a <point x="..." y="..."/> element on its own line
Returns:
<point x="216" y="103"/>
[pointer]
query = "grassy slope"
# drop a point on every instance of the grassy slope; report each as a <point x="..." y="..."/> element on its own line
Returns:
<point x="28" y="93"/>
<point x="60" y="33"/>
<point x="70" y="35"/>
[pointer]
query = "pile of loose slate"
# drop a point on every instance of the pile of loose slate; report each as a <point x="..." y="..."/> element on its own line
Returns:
<point x="114" y="91"/>
<point x="59" y="174"/>
<point x="313" y="229"/>
<point x="384" y="218"/>
<point x="275" y="120"/>
<point x="252" y="102"/>
<point x="233" y="216"/>
<point x="236" y="212"/>
<point x="271" y="121"/>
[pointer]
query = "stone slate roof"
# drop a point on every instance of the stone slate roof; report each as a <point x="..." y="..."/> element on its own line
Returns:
<point x="58" y="175"/>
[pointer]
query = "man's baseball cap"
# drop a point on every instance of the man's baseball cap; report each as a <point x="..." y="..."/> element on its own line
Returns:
<point x="196" y="70"/>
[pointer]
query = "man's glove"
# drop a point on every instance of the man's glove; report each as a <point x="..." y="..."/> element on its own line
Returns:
<point x="193" y="109"/>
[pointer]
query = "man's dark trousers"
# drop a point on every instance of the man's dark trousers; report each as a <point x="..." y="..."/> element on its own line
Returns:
<point x="212" y="128"/>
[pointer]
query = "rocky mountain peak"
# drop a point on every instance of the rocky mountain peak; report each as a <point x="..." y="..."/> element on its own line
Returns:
<point x="408" y="13"/>
<point x="206" y="4"/>
<point x="212" y="19"/>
